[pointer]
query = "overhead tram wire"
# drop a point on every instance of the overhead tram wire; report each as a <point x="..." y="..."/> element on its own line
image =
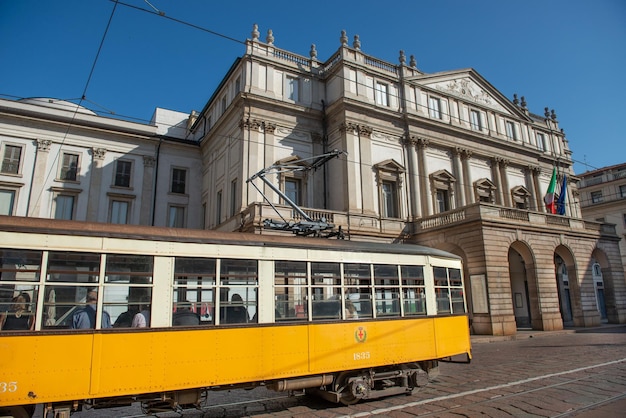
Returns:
<point x="82" y="98"/>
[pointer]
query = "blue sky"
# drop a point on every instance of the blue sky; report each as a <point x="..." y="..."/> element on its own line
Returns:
<point x="568" y="55"/>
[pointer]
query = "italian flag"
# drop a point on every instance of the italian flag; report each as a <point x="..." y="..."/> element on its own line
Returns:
<point x="549" y="197"/>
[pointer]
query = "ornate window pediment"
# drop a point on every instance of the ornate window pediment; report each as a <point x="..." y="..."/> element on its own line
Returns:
<point x="442" y="179"/>
<point x="485" y="190"/>
<point x="389" y="175"/>
<point x="520" y="197"/>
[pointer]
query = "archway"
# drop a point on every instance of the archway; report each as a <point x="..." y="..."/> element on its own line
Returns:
<point x="568" y="288"/>
<point x="524" y="294"/>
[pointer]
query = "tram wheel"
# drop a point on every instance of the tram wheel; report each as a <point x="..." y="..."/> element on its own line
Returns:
<point x="347" y="398"/>
<point x="18" y="411"/>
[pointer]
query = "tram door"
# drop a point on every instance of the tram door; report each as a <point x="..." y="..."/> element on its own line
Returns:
<point x="598" y="282"/>
<point x="564" y="294"/>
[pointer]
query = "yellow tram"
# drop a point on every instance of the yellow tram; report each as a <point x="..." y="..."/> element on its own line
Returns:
<point x="114" y="314"/>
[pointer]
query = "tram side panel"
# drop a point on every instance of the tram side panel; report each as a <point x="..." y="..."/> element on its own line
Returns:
<point x="44" y="368"/>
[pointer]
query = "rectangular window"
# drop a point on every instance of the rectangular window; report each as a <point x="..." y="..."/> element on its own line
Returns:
<point x="475" y="120"/>
<point x="223" y="105"/>
<point x="11" y="159"/>
<point x="449" y="290"/>
<point x="233" y="197"/>
<point x="390" y="199"/>
<point x="386" y="290"/>
<point x="237" y="85"/>
<point x="70" y="284"/>
<point x="218" y="208"/>
<point x="122" y="173"/>
<point x="511" y="131"/>
<point x="326" y="291"/>
<point x="128" y="289"/>
<point x="382" y="94"/>
<point x="290" y="291"/>
<point x="622" y="190"/>
<point x="434" y="107"/>
<point x="64" y="207"/>
<point x="194" y="291"/>
<point x="291" y="88"/>
<point x="541" y="142"/>
<point x="596" y="197"/>
<point x="176" y="217"/>
<point x="443" y="200"/>
<point x="7" y="200"/>
<point x="119" y="212"/>
<point x="358" y="283"/>
<point x="179" y="180"/>
<point x="293" y="190"/>
<point x="238" y="291"/>
<point x="69" y="167"/>
<point x="414" y="289"/>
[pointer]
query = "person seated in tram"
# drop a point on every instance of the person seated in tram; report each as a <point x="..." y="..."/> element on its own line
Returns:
<point x="17" y="317"/>
<point x="184" y="316"/>
<point x="85" y="318"/>
<point x="236" y="313"/>
<point x="142" y="318"/>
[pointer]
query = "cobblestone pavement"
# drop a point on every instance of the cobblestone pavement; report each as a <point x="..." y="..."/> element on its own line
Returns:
<point x="571" y="373"/>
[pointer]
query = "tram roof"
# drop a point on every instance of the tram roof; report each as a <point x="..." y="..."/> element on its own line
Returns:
<point x="155" y="233"/>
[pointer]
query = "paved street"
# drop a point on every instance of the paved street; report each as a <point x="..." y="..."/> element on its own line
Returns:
<point x="572" y="373"/>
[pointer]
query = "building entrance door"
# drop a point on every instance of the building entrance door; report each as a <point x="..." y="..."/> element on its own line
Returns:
<point x="565" y="303"/>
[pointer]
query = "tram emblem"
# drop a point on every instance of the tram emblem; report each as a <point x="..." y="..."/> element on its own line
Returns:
<point x="360" y="335"/>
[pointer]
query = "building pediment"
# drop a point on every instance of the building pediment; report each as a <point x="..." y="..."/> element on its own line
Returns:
<point x="470" y="87"/>
<point x="390" y="166"/>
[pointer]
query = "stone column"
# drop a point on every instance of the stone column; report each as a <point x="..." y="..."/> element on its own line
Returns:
<point x="538" y="197"/>
<point x="460" y="177"/>
<point x="365" y="151"/>
<point x="425" y="195"/>
<point x="39" y="178"/>
<point x="413" y="174"/>
<point x="497" y="179"/>
<point x="469" y="190"/>
<point x="95" y="184"/>
<point x="147" y="190"/>
<point x="270" y="159"/>
<point x="506" y="192"/>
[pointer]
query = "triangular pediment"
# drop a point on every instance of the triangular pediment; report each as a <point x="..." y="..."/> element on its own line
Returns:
<point x="470" y="87"/>
<point x="389" y="165"/>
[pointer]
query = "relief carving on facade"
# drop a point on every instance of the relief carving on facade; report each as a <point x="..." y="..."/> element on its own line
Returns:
<point x="43" y="145"/>
<point x="98" y="153"/>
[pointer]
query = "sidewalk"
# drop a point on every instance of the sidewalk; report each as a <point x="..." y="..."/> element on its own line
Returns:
<point x="523" y="334"/>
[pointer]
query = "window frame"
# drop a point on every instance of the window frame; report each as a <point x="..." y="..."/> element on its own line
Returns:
<point x="175" y="181"/>
<point x="382" y="93"/>
<point x="434" y="107"/>
<point x="292" y="88"/>
<point x="10" y="160"/>
<point x="174" y="220"/>
<point x="121" y="174"/>
<point x="66" y="170"/>
<point x="510" y="129"/>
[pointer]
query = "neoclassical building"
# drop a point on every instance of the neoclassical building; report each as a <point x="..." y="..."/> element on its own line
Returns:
<point x="442" y="159"/>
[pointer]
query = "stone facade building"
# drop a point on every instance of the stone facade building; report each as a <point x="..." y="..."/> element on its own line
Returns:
<point x="603" y="199"/>
<point x="442" y="159"/>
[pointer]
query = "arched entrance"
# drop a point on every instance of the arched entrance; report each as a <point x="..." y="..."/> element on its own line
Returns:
<point x="524" y="295"/>
<point x="568" y="289"/>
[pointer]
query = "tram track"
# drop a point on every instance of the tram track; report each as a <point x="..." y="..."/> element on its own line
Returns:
<point x="499" y="397"/>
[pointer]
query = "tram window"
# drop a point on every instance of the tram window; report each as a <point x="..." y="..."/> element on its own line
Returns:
<point x="442" y="290"/>
<point x="290" y="291"/>
<point x="358" y="284"/>
<point x="129" y="269"/>
<point x="18" y="297"/>
<point x="194" y="291"/>
<point x="74" y="275"/>
<point x="456" y="291"/>
<point x="386" y="290"/>
<point x="326" y="291"/>
<point x="18" y="304"/>
<point x="414" y="290"/>
<point x="20" y="265"/>
<point x="238" y="291"/>
<point x="123" y="302"/>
